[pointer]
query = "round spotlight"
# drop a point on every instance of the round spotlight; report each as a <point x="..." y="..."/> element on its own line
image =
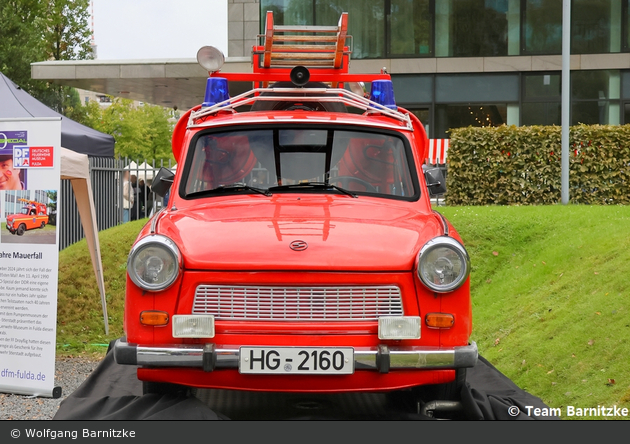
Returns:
<point x="210" y="58"/>
<point x="357" y="88"/>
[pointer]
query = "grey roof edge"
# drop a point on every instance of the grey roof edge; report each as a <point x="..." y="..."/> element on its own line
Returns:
<point x="99" y="62"/>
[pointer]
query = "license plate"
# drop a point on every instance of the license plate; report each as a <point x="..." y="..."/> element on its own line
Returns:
<point x="297" y="360"/>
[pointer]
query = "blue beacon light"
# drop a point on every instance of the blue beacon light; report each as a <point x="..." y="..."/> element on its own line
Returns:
<point x="382" y="92"/>
<point x="216" y="91"/>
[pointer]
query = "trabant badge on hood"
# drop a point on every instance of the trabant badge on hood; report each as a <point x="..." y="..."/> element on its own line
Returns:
<point x="298" y="245"/>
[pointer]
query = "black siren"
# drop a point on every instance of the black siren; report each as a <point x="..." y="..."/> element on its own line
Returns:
<point x="300" y="75"/>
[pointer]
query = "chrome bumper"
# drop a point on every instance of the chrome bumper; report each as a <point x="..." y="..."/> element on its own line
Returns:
<point x="381" y="358"/>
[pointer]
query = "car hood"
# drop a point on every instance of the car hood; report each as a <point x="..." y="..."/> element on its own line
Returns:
<point x="326" y="233"/>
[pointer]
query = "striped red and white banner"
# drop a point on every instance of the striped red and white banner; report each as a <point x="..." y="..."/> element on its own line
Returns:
<point x="438" y="149"/>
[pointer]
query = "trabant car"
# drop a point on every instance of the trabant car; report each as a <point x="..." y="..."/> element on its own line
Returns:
<point x="33" y="215"/>
<point x="299" y="250"/>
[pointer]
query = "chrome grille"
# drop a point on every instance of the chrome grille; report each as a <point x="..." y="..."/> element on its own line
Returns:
<point x="298" y="303"/>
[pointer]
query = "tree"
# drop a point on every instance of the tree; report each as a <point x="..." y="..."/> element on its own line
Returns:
<point x="67" y="35"/>
<point x="37" y="30"/>
<point x="141" y="132"/>
<point x="52" y="205"/>
<point x="21" y="41"/>
<point x="159" y="133"/>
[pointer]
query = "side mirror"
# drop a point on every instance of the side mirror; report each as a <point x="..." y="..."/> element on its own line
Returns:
<point x="162" y="182"/>
<point x="436" y="183"/>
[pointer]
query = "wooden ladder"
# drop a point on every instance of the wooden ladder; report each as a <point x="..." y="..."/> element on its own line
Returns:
<point x="322" y="48"/>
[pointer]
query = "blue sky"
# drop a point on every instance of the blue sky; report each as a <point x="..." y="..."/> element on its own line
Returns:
<point x="158" y="29"/>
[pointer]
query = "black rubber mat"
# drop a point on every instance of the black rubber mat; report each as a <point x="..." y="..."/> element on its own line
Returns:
<point x="113" y="392"/>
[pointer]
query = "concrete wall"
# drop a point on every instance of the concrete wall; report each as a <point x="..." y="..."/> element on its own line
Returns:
<point x="243" y="26"/>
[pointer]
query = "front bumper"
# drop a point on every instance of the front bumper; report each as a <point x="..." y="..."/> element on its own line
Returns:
<point x="210" y="357"/>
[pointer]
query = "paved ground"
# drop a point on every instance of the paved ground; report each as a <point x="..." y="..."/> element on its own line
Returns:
<point x="35" y="236"/>
<point x="69" y="375"/>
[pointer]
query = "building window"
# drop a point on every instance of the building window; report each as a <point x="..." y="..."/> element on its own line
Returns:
<point x="424" y="114"/>
<point x="595" y="97"/>
<point x="541" y="99"/>
<point x="287" y="12"/>
<point x="475" y="28"/>
<point x="542" y="27"/>
<point x="595" y="26"/>
<point x="459" y="116"/>
<point x="366" y="24"/>
<point x="411" y="28"/>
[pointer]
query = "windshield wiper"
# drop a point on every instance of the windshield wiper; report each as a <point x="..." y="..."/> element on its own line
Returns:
<point x="231" y="187"/>
<point x="315" y="185"/>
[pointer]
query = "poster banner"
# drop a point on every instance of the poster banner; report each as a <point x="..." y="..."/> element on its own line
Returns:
<point x="30" y="171"/>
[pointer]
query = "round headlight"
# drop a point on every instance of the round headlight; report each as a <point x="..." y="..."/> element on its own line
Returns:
<point x="443" y="264"/>
<point x="154" y="262"/>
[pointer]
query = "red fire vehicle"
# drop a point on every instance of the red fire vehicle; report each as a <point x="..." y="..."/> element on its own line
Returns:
<point x="33" y="215"/>
<point x="299" y="251"/>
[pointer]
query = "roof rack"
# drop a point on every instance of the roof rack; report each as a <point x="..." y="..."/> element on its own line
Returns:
<point x="322" y="50"/>
<point x="339" y="95"/>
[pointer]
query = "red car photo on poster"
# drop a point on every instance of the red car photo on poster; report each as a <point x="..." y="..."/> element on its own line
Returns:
<point x="298" y="250"/>
<point x="33" y="215"/>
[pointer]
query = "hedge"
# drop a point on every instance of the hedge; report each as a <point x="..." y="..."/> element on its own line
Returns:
<point x="511" y="165"/>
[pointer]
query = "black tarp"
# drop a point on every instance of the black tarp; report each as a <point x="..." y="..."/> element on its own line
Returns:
<point x="113" y="392"/>
<point x="16" y="103"/>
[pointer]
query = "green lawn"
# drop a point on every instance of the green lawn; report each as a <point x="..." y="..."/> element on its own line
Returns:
<point x="550" y="287"/>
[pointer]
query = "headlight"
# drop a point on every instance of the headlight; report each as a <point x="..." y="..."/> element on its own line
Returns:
<point x="154" y="262"/>
<point x="443" y="264"/>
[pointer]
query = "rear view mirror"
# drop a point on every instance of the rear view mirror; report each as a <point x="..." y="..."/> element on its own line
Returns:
<point x="436" y="183"/>
<point x="162" y="182"/>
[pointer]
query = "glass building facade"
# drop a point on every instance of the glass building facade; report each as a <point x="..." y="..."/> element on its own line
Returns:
<point x="464" y="28"/>
<point x="485" y="32"/>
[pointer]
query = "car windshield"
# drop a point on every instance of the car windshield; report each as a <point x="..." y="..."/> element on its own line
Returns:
<point x="25" y="210"/>
<point x="301" y="160"/>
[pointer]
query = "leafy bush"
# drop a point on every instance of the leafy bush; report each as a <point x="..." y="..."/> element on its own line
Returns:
<point x="522" y="165"/>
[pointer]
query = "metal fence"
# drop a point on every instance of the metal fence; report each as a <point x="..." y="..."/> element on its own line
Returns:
<point x="106" y="177"/>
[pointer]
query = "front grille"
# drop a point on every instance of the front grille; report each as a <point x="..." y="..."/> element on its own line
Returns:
<point x="298" y="303"/>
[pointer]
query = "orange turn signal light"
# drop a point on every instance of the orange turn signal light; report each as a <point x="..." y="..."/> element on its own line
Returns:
<point x="439" y="320"/>
<point x="155" y="318"/>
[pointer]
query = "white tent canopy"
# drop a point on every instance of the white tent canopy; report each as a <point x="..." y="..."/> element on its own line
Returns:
<point x="145" y="171"/>
<point x="75" y="167"/>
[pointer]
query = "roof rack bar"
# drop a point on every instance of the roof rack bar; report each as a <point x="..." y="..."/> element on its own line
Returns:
<point x="318" y="95"/>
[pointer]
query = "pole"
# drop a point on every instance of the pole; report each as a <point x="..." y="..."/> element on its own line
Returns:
<point x="566" y="97"/>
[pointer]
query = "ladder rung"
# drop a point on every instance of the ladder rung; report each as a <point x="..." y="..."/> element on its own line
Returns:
<point x="304" y="38"/>
<point x="289" y="28"/>
<point x="302" y="48"/>
<point x="303" y="55"/>
<point x="307" y="63"/>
